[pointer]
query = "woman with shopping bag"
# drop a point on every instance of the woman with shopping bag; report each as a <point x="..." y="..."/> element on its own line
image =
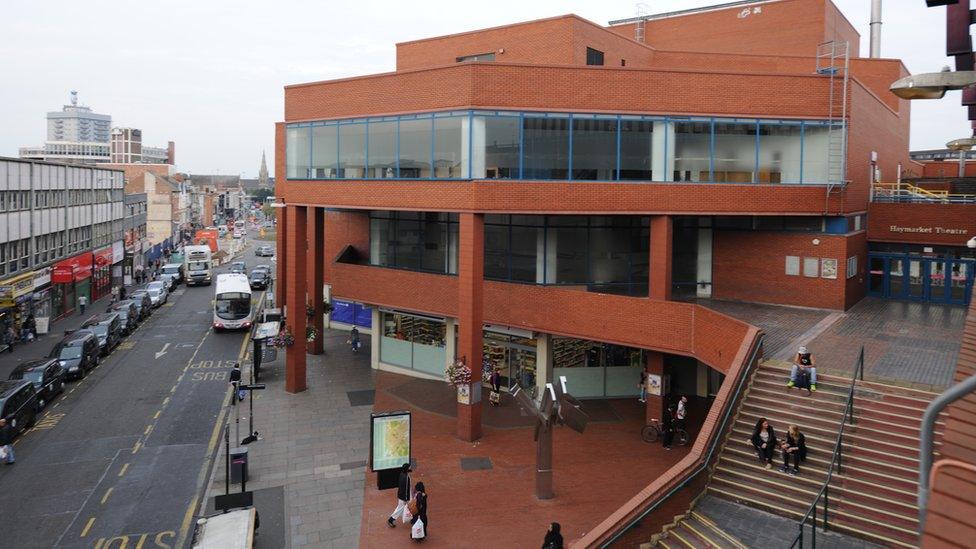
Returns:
<point x="418" y="508"/>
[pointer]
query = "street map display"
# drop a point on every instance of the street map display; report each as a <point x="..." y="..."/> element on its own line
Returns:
<point x="391" y="440"/>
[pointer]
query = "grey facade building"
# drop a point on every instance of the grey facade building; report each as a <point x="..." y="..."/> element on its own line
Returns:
<point x="78" y="123"/>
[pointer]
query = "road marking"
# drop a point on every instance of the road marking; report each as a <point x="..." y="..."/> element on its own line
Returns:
<point x="56" y="404"/>
<point x="107" y="493"/>
<point x="136" y="447"/>
<point x="156" y="416"/>
<point x="162" y="352"/>
<point x="165" y="401"/>
<point x="148" y="428"/>
<point x="172" y="389"/>
<point x="126" y="345"/>
<point x="125" y="468"/>
<point x="88" y="527"/>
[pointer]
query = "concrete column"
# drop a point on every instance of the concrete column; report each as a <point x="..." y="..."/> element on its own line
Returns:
<point x="376" y="332"/>
<point x="660" y="250"/>
<point x="655" y="404"/>
<point x="543" y="361"/>
<point x="471" y="269"/>
<point x="282" y="253"/>
<point x="295" y="296"/>
<point x="316" y="267"/>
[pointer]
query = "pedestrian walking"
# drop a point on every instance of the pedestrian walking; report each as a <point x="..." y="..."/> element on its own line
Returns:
<point x="121" y="293"/>
<point x="803" y="374"/>
<point x="554" y="539"/>
<point x="667" y="425"/>
<point x="82" y="301"/>
<point x="115" y="294"/>
<point x="403" y="495"/>
<point x="680" y="412"/>
<point x="764" y="441"/>
<point x="419" y="523"/>
<point x="795" y="447"/>
<point x="235" y="381"/>
<point x="354" y="339"/>
<point x="31" y="324"/>
<point x="642" y="384"/>
<point x="6" y="442"/>
<point x="11" y="338"/>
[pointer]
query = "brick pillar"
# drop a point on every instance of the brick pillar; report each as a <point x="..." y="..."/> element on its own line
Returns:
<point x="471" y="268"/>
<point x="655" y="404"/>
<point x="281" y="252"/>
<point x="661" y="238"/>
<point x="316" y="265"/>
<point x="295" y="235"/>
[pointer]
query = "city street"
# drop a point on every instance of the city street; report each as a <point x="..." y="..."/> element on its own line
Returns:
<point x="124" y="453"/>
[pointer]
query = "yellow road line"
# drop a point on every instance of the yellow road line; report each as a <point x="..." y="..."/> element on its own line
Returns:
<point x="165" y="401"/>
<point x="107" y="493"/>
<point x="88" y="527"/>
<point x="136" y="447"/>
<point x="156" y="416"/>
<point x="125" y="468"/>
<point x="148" y="428"/>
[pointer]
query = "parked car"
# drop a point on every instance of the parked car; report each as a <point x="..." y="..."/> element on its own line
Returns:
<point x="264" y="251"/>
<point x="18" y="404"/>
<point x="77" y="353"/>
<point x="238" y="267"/>
<point x="158" y="294"/>
<point x="175" y="270"/>
<point x="46" y="375"/>
<point x="263" y="267"/>
<point x="171" y="282"/>
<point x="143" y="302"/>
<point x="108" y="328"/>
<point x="128" y="313"/>
<point x="259" y="280"/>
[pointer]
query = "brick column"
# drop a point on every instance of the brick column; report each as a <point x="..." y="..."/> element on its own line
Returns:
<point x="655" y="404"/>
<point x="661" y="239"/>
<point x="295" y="235"/>
<point x="281" y="253"/>
<point x="316" y="265"/>
<point x="471" y="269"/>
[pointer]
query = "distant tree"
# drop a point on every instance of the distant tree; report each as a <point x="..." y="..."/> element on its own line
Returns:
<point x="261" y="195"/>
<point x="269" y="212"/>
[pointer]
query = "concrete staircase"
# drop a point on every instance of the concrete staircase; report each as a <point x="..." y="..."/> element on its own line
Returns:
<point x="874" y="495"/>
<point x="698" y="531"/>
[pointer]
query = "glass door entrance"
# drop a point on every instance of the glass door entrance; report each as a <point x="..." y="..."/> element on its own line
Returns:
<point x="933" y="279"/>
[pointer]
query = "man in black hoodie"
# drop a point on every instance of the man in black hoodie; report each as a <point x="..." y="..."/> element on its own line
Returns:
<point x="403" y="495"/>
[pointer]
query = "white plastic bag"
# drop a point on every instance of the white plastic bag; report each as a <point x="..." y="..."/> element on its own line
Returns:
<point x="3" y="452"/>
<point x="406" y="515"/>
<point x="417" y="532"/>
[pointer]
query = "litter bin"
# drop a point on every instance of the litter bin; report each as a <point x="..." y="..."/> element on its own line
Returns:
<point x="238" y="464"/>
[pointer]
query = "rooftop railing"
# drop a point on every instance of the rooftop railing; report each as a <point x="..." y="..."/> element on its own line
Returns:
<point x="908" y="193"/>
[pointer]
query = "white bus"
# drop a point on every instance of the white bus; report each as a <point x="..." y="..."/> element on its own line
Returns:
<point x="199" y="265"/>
<point x="233" y="309"/>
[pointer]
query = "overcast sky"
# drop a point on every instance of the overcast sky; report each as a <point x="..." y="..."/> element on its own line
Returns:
<point x="209" y="74"/>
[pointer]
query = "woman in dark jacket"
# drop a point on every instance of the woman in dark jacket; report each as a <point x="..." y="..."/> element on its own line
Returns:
<point x="795" y="446"/>
<point x="421" y="496"/>
<point x="554" y="540"/>
<point x="764" y="440"/>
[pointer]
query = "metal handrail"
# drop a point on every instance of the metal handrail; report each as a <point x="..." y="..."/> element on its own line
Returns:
<point x="824" y="492"/>
<point x="716" y="442"/>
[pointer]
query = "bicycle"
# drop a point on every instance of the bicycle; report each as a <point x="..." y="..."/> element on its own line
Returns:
<point x="653" y="432"/>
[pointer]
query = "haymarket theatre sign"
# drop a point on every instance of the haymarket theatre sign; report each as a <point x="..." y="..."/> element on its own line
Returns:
<point x="928" y="230"/>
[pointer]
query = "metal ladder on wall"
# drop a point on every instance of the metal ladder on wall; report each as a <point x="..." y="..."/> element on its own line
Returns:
<point x="833" y="61"/>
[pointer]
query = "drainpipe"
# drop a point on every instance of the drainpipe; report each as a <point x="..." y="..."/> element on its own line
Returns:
<point x="875" y="28"/>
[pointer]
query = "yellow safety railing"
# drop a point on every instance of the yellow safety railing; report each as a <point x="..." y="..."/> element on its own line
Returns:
<point x="906" y="192"/>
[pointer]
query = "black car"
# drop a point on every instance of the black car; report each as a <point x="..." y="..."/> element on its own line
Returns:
<point x="46" y="375"/>
<point x="143" y="303"/>
<point x="108" y="328"/>
<point x="77" y="353"/>
<point x="128" y="313"/>
<point x="259" y="280"/>
<point x="18" y="404"/>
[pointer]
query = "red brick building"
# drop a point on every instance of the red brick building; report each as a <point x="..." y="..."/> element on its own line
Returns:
<point x="551" y="197"/>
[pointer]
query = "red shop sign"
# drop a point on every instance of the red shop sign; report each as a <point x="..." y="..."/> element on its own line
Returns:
<point x="103" y="256"/>
<point x="71" y="269"/>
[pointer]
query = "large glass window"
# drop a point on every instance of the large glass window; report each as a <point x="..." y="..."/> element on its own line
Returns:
<point x="692" y="151"/>
<point x="415" y="143"/>
<point x="594" y="148"/>
<point x="382" y="150"/>
<point x="418" y="241"/>
<point x="325" y="151"/>
<point x="297" y="150"/>
<point x="545" y="143"/>
<point x="448" y="156"/>
<point x="501" y="146"/>
<point x="735" y="152"/>
<point x="416" y="342"/>
<point x="779" y="153"/>
<point x="815" y="153"/>
<point x="352" y="151"/>
<point x="636" y="150"/>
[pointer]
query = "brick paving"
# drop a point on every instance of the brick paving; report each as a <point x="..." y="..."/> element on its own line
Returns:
<point x="782" y="324"/>
<point x="757" y="528"/>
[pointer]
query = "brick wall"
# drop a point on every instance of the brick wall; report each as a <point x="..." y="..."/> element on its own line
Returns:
<point x="941" y="168"/>
<point x="751" y="266"/>
<point x="934" y="219"/>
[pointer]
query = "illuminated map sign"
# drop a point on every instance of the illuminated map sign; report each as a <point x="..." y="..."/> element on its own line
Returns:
<point x="389" y="440"/>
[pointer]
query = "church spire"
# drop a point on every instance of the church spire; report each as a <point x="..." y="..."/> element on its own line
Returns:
<point x="263" y="172"/>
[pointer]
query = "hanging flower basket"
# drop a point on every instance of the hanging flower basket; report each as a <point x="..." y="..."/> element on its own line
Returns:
<point x="284" y="339"/>
<point x="458" y="373"/>
<point x="310" y="334"/>
<point x="310" y="310"/>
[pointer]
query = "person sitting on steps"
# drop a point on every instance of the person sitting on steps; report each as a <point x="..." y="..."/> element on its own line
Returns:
<point x="795" y="446"/>
<point x="764" y="441"/>
<point x="804" y="371"/>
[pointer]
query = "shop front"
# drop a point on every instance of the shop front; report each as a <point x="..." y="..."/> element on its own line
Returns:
<point x="118" y="259"/>
<point x="70" y="279"/>
<point x="15" y="302"/>
<point x="41" y="306"/>
<point x="512" y="352"/>
<point x="595" y="369"/>
<point x="413" y="341"/>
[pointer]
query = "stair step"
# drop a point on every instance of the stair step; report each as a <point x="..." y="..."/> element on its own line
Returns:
<point x="727" y="539"/>
<point x="808" y="488"/>
<point x="753" y="409"/>
<point x="902" y="478"/>
<point x="919" y="397"/>
<point x="841" y="390"/>
<point x="822" y="399"/>
<point x="898" y="453"/>
<point x="840" y="519"/>
<point x="814" y="475"/>
<point x="685" y="535"/>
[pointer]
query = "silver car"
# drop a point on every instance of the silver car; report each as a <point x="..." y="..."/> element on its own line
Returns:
<point x="158" y="294"/>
